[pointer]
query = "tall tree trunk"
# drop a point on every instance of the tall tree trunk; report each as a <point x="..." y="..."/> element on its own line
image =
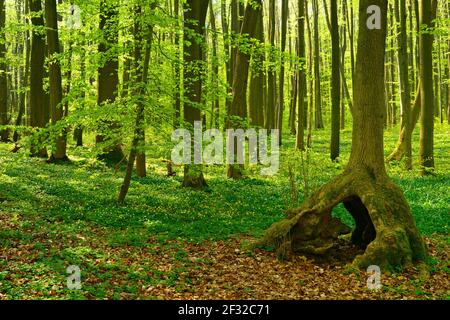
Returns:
<point x="215" y="69"/>
<point x="108" y="76"/>
<point x="226" y="46"/>
<point x="311" y="78"/>
<point x="335" y="84"/>
<point x="403" y="67"/>
<point x="385" y="227"/>
<point x="351" y="33"/>
<point x="426" y="152"/>
<point x="240" y="81"/>
<point x="194" y="19"/>
<point x="37" y="95"/>
<point x="177" y="93"/>
<point x="317" y="89"/>
<point x="3" y="74"/>
<point x="271" y="75"/>
<point x="448" y="66"/>
<point x="280" y="105"/>
<point x="56" y="94"/>
<point x="258" y="89"/>
<point x="78" y="131"/>
<point x="411" y="59"/>
<point x="24" y="80"/>
<point x="301" y="76"/>
<point x="392" y="71"/>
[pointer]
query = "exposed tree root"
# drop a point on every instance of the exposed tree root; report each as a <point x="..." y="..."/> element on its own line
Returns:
<point x="384" y="224"/>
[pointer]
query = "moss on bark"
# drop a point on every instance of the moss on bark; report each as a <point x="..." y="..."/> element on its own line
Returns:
<point x="384" y="224"/>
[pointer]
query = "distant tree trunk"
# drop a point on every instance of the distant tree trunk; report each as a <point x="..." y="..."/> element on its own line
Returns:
<point x="317" y="90"/>
<point x="56" y="94"/>
<point x="406" y="132"/>
<point x="294" y="88"/>
<point x="411" y="59"/>
<point x="37" y="95"/>
<point x="226" y="44"/>
<point x="108" y="74"/>
<point x="177" y="71"/>
<point x="335" y="84"/>
<point x="351" y="33"/>
<point x="301" y="76"/>
<point x="78" y="132"/>
<point x="343" y="42"/>
<point x="448" y="65"/>
<point x="385" y="227"/>
<point x="280" y="106"/>
<point x="194" y="19"/>
<point x="3" y="75"/>
<point x="426" y="87"/>
<point x="311" y="78"/>
<point x="271" y="74"/>
<point x="405" y="93"/>
<point x="235" y="29"/>
<point x="258" y="89"/>
<point x="24" y="80"/>
<point x="392" y="72"/>
<point x="215" y="69"/>
<point x="240" y="81"/>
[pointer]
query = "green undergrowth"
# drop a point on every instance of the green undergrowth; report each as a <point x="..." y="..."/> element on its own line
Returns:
<point x="48" y="208"/>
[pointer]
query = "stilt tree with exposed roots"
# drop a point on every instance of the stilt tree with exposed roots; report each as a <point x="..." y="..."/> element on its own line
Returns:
<point x="385" y="227"/>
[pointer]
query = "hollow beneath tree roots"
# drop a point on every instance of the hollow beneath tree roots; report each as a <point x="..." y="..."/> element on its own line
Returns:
<point x="385" y="228"/>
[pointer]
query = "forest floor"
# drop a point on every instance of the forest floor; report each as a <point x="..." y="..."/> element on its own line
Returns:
<point x="171" y="243"/>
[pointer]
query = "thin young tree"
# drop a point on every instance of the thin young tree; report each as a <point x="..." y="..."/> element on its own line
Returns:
<point x="143" y="39"/>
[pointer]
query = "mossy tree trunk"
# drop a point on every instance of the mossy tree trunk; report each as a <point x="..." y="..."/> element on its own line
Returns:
<point x="385" y="227"/>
